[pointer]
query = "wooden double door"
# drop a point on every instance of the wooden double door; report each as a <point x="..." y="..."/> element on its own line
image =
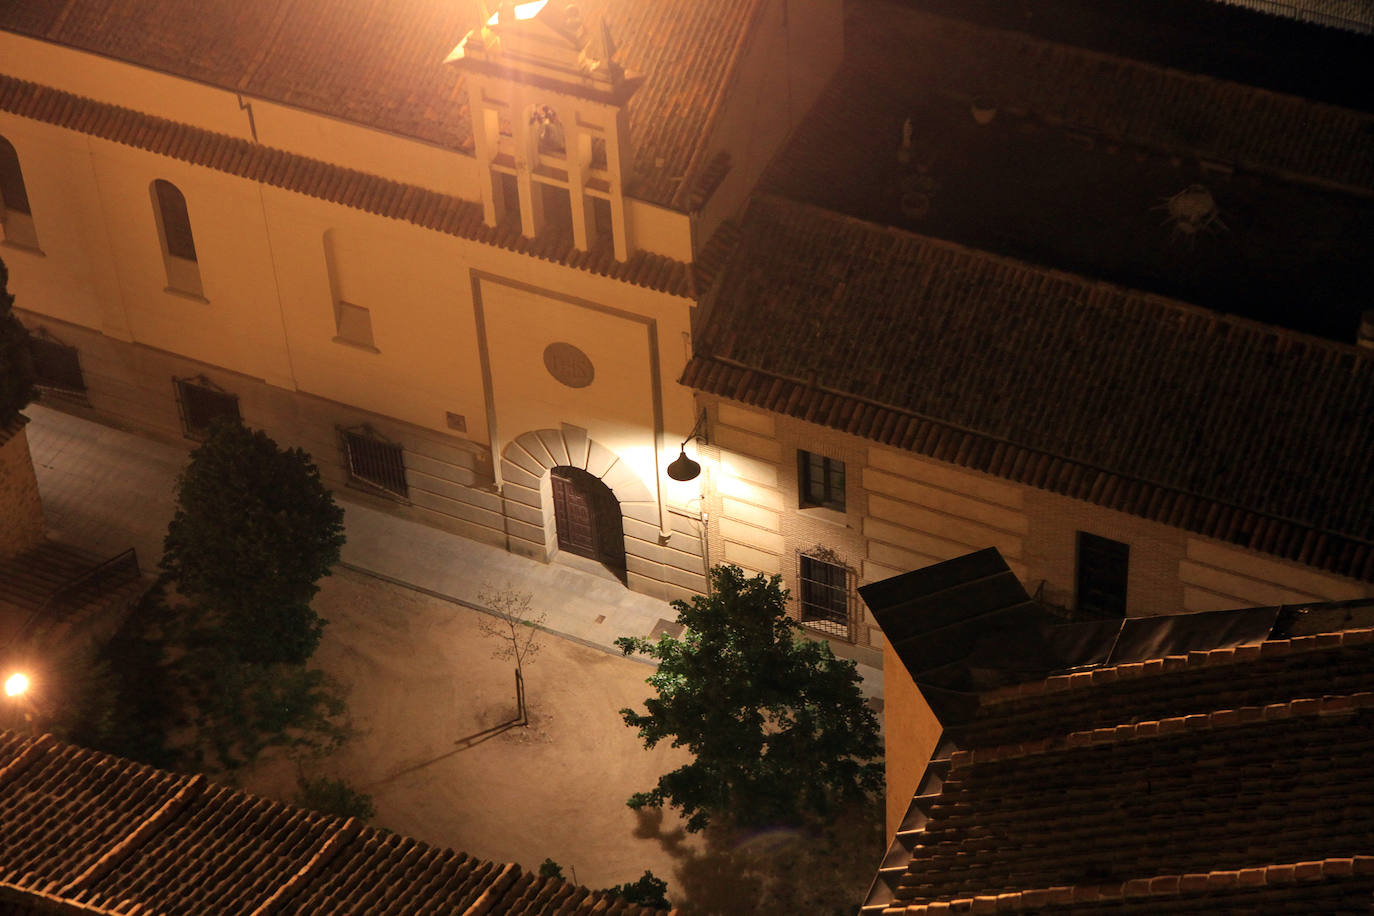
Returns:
<point x="587" y="516"/>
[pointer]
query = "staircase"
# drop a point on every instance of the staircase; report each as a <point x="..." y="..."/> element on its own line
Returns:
<point x="53" y="584"/>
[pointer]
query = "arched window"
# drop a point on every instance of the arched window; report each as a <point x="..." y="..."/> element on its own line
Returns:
<point x="178" y="244"/>
<point x="174" y="220"/>
<point x="16" y="218"/>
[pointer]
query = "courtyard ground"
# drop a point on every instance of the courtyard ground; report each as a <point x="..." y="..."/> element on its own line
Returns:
<point x="428" y="700"/>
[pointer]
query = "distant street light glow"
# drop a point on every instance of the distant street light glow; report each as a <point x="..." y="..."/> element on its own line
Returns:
<point x="16" y="684"/>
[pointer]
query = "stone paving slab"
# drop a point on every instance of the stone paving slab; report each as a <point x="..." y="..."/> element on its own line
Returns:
<point x="105" y="490"/>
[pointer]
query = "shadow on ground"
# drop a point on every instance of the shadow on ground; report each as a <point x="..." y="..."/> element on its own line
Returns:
<point x="820" y="870"/>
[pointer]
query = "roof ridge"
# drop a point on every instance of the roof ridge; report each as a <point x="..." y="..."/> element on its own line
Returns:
<point x="1159" y="886"/>
<point x="1269" y="648"/>
<point x="1325" y="706"/>
<point x="328" y="181"/>
<point x="1084" y="283"/>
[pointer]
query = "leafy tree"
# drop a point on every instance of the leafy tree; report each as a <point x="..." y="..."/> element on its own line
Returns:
<point x="334" y="796"/>
<point x="778" y="725"/>
<point x="516" y="633"/>
<point x="16" y="365"/>
<point x="254" y="530"/>
<point x="647" y="891"/>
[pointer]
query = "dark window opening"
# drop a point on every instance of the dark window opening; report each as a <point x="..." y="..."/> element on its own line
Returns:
<point x="13" y="195"/>
<point x="1103" y="567"/>
<point x="599" y="153"/>
<point x="601" y="218"/>
<point x="372" y="460"/>
<point x="507" y="199"/>
<point x="557" y="209"/>
<point x="824" y="596"/>
<point x="175" y="221"/>
<point x="55" y="365"/>
<point x="820" y="481"/>
<point x="203" y="404"/>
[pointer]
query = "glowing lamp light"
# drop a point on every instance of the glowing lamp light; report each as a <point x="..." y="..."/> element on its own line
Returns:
<point x="522" y="11"/>
<point x="16" y="684"/>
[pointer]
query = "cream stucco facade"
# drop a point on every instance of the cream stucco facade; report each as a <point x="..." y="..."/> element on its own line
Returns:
<point x="322" y="318"/>
<point x="490" y="366"/>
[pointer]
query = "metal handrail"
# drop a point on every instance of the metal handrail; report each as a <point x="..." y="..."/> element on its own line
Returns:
<point x="126" y="561"/>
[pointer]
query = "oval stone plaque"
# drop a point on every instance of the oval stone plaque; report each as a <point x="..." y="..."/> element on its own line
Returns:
<point x="569" y="365"/>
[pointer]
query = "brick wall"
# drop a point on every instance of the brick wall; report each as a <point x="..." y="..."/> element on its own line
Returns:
<point x="20" y="506"/>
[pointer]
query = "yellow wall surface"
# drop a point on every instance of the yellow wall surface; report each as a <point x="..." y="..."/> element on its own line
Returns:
<point x="910" y="735"/>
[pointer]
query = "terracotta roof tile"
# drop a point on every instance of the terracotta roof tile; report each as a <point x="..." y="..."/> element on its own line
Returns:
<point x="320" y="179"/>
<point x="380" y="62"/>
<point x="85" y="832"/>
<point x="1229" y="781"/>
<point x="1228" y="428"/>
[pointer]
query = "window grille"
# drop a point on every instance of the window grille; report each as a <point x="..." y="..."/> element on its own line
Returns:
<point x="374" y="461"/>
<point x="820" y="481"/>
<point x="202" y="403"/>
<point x="55" y="364"/>
<point x="825" y="593"/>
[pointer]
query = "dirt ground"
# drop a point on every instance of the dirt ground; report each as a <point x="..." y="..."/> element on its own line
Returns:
<point x="425" y="696"/>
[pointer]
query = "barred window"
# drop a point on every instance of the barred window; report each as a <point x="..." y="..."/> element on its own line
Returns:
<point x="820" y="481"/>
<point x="55" y="364"/>
<point x="202" y="404"/>
<point x="374" y="461"/>
<point x="824" y="595"/>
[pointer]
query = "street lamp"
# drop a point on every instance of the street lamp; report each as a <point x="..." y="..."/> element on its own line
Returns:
<point x="17" y="684"/>
<point x="682" y="467"/>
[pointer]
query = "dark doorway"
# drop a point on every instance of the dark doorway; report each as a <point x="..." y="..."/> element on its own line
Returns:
<point x="587" y="516"/>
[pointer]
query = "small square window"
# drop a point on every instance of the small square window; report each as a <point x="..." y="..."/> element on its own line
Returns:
<point x="203" y="404"/>
<point x="372" y="460"/>
<point x="824" y="595"/>
<point x="1103" y="569"/>
<point x="820" y="481"/>
<point x="353" y="324"/>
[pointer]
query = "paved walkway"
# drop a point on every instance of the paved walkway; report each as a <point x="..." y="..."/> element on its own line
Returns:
<point x="106" y="490"/>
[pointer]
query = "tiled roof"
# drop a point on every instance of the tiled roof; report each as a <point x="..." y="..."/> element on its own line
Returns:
<point x="380" y="62"/>
<point x="896" y="58"/>
<point x="1348" y="15"/>
<point x="351" y="188"/>
<point x="85" y="832"/>
<point x="1231" y="429"/>
<point x="1227" y="781"/>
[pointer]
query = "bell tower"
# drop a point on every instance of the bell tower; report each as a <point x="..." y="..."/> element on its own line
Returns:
<point x="548" y="122"/>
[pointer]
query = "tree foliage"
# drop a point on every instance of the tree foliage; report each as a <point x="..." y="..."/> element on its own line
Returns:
<point x="16" y="365"/>
<point x="254" y="530"/>
<point x="777" y="724"/>
<point x="650" y="890"/>
<point x="334" y="796"/>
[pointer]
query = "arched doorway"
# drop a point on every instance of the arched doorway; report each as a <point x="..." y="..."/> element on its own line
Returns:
<point x="587" y="518"/>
